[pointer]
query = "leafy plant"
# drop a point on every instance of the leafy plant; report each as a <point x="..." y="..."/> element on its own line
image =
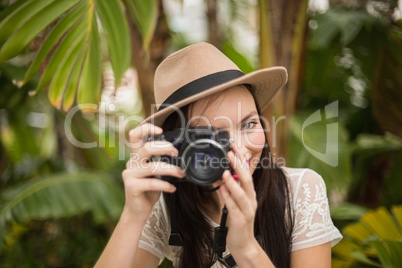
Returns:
<point x="345" y="63"/>
<point x="331" y="157"/>
<point x="374" y="241"/>
<point x="370" y="153"/>
<point x="72" y="50"/>
<point x="61" y="195"/>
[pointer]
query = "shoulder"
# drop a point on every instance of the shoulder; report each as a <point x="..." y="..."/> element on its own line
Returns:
<point x="155" y="234"/>
<point x="312" y="220"/>
<point x="303" y="178"/>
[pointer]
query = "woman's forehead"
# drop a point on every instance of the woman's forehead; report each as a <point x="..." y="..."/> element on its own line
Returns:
<point x="229" y="105"/>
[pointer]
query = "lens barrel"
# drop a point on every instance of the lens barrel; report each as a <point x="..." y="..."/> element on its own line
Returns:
<point x="202" y="153"/>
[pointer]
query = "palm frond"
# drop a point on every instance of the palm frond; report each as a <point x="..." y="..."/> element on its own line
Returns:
<point x="61" y="195"/>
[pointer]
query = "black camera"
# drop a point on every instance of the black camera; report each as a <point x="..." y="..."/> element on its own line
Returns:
<point x="202" y="153"/>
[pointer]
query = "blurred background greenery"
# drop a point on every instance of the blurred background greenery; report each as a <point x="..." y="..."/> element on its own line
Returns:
<point x="67" y="102"/>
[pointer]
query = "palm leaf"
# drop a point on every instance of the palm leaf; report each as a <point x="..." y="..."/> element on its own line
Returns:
<point x="117" y="35"/>
<point x="67" y="64"/>
<point x="66" y="46"/>
<point x="389" y="252"/>
<point x="17" y="15"/>
<point x="23" y="35"/>
<point x="374" y="240"/>
<point x="90" y="80"/>
<point x="145" y="15"/>
<point x="71" y="52"/>
<point x="54" y="37"/>
<point x="61" y="195"/>
<point x="244" y="64"/>
<point x="346" y="24"/>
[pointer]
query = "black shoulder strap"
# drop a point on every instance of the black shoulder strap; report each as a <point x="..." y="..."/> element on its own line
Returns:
<point x="220" y="241"/>
<point x="175" y="238"/>
<point x="221" y="232"/>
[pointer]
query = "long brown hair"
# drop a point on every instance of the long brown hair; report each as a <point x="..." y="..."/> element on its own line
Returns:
<point x="273" y="221"/>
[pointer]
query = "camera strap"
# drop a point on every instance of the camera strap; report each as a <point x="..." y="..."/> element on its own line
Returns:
<point x="220" y="234"/>
<point x="220" y="241"/>
<point x="175" y="237"/>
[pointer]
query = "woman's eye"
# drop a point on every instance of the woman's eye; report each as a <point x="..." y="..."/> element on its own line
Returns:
<point x="249" y="125"/>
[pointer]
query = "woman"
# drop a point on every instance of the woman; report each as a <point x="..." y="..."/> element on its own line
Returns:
<point x="277" y="216"/>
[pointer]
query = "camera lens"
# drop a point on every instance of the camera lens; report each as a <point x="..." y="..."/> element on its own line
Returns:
<point x="204" y="161"/>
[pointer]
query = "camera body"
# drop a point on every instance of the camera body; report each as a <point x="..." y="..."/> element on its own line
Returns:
<point x="202" y="153"/>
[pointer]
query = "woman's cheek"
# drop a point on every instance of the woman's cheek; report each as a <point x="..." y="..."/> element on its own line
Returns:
<point x="255" y="140"/>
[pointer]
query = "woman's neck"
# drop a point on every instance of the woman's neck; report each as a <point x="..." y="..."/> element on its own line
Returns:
<point x="213" y="208"/>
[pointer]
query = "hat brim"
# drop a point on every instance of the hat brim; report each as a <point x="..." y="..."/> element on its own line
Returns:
<point x="265" y="85"/>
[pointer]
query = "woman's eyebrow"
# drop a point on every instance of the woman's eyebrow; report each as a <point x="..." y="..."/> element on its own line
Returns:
<point x="248" y="116"/>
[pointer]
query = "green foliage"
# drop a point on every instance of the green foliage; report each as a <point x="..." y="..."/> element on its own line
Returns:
<point x="340" y="23"/>
<point x="369" y="144"/>
<point x="71" y="49"/>
<point x="332" y="155"/>
<point x="166" y="264"/>
<point x="51" y="214"/>
<point x="369" y="153"/>
<point x="374" y="241"/>
<point x="345" y="63"/>
<point x="61" y="195"/>
<point x="347" y="211"/>
<point x="11" y="95"/>
<point x="42" y="13"/>
<point x="64" y="242"/>
<point x="242" y="62"/>
<point x="144" y="14"/>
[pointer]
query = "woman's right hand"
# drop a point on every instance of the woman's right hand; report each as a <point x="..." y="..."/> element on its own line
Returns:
<point x="142" y="188"/>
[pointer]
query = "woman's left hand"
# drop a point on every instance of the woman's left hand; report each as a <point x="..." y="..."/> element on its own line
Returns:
<point x="240" y="200"/>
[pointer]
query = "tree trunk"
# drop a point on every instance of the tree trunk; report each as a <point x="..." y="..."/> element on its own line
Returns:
<point x="146" y="61"/>
<point x="282" y="38"/>
<point x="214" y="36"/>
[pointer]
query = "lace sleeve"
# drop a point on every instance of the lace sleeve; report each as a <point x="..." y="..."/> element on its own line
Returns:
<point x="313" y="224"/>
<point x="154" y="236"/>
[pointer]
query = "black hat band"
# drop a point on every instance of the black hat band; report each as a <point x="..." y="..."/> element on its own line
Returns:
<point x="199" y="85"/>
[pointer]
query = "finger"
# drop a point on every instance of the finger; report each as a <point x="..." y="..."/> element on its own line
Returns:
<point x="229" y="202"/>
<point x="242" y="157"/>
<point x="237" y="151"/>
<point x="141" y="185"/>
<point x="240" y="167"/>
<point x="152" y="169"/>
<point x="149" y="149"/>
<point x="244" y="202"/>
<point x="158" y="148"/>
<point x="137" y="161"/>
<point x="137" y="136"/>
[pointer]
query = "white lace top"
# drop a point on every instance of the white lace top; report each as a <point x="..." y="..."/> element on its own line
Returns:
<point x="313" y="225"/>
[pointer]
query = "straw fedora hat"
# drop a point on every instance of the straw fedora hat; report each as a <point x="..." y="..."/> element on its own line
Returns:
<point x="200" y="70"/>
